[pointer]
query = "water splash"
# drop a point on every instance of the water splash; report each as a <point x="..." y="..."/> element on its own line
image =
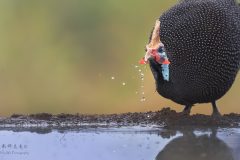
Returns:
<point x="140" y="72"/>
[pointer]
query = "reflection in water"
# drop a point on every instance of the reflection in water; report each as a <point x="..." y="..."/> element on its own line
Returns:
<point x="191" y="146"/>
<point x="133" y="143"/>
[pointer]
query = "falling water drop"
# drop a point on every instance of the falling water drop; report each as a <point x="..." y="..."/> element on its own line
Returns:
<point x="143" y="99"/>
<point x="140" y="92"/>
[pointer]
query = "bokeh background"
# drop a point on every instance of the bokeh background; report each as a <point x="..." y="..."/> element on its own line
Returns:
<point x="80" y="56"/>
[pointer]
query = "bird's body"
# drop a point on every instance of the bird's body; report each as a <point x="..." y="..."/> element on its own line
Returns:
<point x="202" y="41"/>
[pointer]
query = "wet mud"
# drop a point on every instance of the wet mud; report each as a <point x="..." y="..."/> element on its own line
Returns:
<point x="164" y="118"/>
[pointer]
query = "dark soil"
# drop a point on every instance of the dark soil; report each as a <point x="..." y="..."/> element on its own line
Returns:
<point x="166" y="117"/>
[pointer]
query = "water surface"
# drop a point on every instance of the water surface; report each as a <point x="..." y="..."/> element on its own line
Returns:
<point x="128" y="143"/>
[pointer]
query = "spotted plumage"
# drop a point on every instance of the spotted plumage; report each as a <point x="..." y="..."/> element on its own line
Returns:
<point x="202" y="41"/>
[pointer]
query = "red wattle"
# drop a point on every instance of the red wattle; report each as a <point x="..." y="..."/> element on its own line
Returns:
<point x="166" y="61"/>
<point x="142" y="61"/>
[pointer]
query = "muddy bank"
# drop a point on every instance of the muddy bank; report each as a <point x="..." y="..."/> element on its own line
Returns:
<point x="166" y="117"/>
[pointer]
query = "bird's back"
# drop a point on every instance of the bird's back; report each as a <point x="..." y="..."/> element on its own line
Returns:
<point x="202" y="40"/>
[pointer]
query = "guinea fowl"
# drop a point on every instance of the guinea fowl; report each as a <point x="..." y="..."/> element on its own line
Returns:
<point x="202" y="41"/>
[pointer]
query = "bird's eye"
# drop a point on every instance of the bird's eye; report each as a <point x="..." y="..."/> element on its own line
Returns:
<point x="145" y="49"/>
<point x="160" y="49"/>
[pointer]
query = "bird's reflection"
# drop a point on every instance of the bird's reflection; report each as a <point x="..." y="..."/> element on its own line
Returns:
<point x="193" y="147"/>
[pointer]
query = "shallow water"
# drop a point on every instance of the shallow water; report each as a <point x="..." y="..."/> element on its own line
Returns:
<point x="129" y="143"/>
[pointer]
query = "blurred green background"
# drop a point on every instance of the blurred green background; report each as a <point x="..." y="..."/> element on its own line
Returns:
<point x="76" y="55"/>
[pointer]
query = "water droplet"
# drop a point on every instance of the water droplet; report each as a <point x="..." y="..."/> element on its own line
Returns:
<point x="139" y="70"/>
<point x="136" y="66"/>
<point x="112" y="78"/>
<point x="123" y="83"/>
<point x="143" y="92"/>
<point x="143" y="99"/>
<point x="142" y="74"/>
